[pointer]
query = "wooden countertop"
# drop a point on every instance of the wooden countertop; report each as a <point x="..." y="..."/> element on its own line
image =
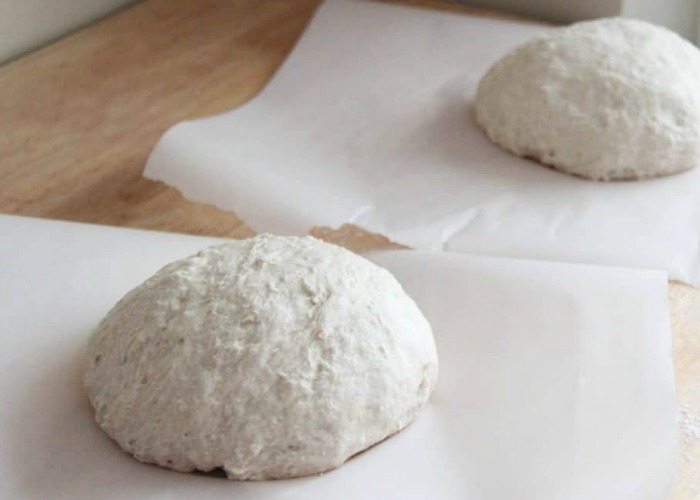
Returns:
<point x="79" y="117"/>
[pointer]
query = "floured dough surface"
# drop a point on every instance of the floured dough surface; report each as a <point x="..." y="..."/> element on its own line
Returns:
<point x="271" y="357"/>
<point x="610" y="99"/>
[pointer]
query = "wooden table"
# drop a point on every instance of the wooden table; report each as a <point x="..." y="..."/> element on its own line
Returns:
<point x="79" y="117"/>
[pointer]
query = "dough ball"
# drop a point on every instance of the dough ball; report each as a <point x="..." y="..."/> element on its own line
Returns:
<point x="272" y="357"/>
<point x="612" y="99"/>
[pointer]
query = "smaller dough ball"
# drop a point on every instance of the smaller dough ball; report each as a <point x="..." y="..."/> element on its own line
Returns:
<point x="272" y="357"/>
<point x="611" y="99"/>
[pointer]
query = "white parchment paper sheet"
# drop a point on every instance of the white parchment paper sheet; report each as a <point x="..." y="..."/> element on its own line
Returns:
<point x="555" y="380"/>
<point x="369" y="122"/>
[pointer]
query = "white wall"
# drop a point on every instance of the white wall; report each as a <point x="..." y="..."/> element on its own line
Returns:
<point x="28" y="24"/>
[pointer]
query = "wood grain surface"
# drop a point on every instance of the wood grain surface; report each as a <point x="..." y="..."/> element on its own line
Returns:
<point x="79" y="117"/>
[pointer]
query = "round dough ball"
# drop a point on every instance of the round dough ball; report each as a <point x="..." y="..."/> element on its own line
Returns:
<point x="611" y="99"/>
<point x="272" y="357"/>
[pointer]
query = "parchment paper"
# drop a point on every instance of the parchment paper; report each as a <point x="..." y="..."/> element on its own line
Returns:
<point x="369" y="121"/>
<point x="555" y="380"/>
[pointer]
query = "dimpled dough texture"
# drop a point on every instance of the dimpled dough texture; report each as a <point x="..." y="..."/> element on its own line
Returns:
<point x="272" y="357"/>
<point x="612" y="99"/>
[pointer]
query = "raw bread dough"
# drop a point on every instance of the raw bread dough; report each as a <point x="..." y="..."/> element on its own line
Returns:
<point x="272" y="357"/>
<point x="610" y="99"/>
